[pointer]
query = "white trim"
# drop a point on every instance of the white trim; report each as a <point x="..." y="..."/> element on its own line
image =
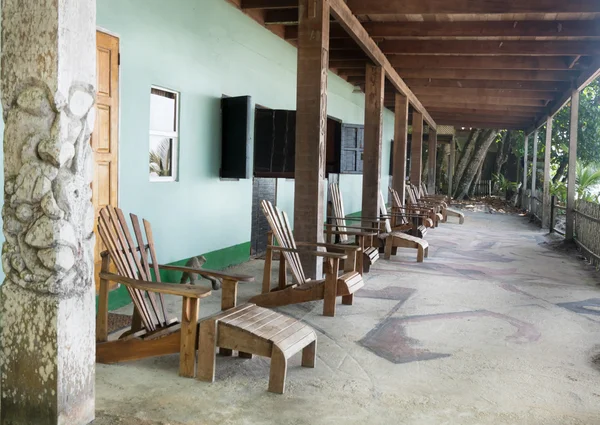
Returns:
<point x="173" y="135"/>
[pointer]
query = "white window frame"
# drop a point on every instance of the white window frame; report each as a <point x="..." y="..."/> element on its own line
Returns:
<point x="173" y="135"/>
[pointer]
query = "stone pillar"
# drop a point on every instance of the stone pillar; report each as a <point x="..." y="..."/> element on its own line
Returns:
<point x="416" y="149"/>
<point x="524" y="204"/>
<point x="400" y="145"/>
<point x="311" y="127"/>
<point x="432" y="161"/>
<point x="546" y="200"/>
<point x="572" y="172"/>
<point x="534" y="152"/>
<point x="374" y="91"/>
<point x="451" y="166"/>
<point x="47" y="301"/>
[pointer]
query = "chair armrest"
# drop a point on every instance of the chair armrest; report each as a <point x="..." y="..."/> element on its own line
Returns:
<point x="188" y="291"/>
<point x="351" y="232"/>
<point x="371" y="219"/>
<point x="313" y="253"/>
<point x="209" y="273"/>
<point x="331" y="246"/>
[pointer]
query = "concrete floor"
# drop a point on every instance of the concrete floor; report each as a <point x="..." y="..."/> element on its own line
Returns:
<point x="494" y="328"/>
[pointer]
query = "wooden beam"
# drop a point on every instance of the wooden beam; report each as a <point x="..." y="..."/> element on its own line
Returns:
<point x="269" y="4"/>
<point x="343" y="64"/>
<point x="281" y="17"/>
<point x="400" y="145"/>
<point x="311" y="127"/>
<point x="546" y="197"/>
<point x="352" y="25"/>
<point x="461" y="104"/>
<point x="440" y="100"/>
<point x="451" y="166"/>
<point x="416" y="149"/>
<point x="487" y="29"/>
<point x="375" y="83"/>
<point x="482" y="124"/>
<point x="432" y="166"/>
<point x="441" y="7"/>
<point x="477" y="47"/>
<point x="572" y="170"/>
<point x="515" y="94"/>
<point x="555" y="86"/>
<point x="482" y="117"/>
<point x="525" y="172"/>
<point x="534" y="152"/>
<point x="542" y="63"/>
<point x="507" y="112"/>
<point x="506" y="75"/>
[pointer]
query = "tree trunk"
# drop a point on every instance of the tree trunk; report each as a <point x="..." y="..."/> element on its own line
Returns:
<point x="465" y="157"/>
<point x="484" y="141"/>
<point x="562" y="168"/>
<point x="442" y="168"/>
<point x="425" y="170"/>
<point x="476" y="181"/>
<point x="502" y="155"/>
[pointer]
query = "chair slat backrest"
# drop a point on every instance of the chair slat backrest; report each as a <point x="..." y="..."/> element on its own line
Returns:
<point x="411" y="194"/>
<point x="384" y="213"/>
<point x="338" y="211"/>
<point x="398" y="205"/>
<point x="131" y="261"/>
<point x="280" y="225"/>
<point x="424" y="191"/>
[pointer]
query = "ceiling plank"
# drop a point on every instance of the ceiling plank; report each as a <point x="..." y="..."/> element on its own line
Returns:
<point x="507" y="75"/>
<point x="343" y="15"/>
<point x="410" y="7"/>
<point x="459" y="92"/>
<point x="281" y="17"/>
<point x="476" y="47"/>
<point x="531" y="114"/>
<point x="489" y="84"/>
<point x="439" y="100"/>
<point x="543" y="63"/>
<point x="269" y="4"/>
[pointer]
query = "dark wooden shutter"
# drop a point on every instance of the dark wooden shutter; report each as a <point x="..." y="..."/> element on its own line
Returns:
<point x="236" y="139"/>
<point x="274" y="143"/>
<point x="353" y="138"/>
<point x="392" y="159"/>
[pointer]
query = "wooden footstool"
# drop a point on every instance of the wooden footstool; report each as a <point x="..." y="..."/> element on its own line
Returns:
<point x="250" y="330"/>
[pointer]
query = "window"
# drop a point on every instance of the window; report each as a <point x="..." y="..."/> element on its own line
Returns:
<point x="353" y="144"/>
<point x="164" y="135"/>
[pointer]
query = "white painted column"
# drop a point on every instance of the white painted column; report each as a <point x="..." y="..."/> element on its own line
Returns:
<point x="525" y="205"/>
<point x="48" y="307"/>
<point x="572" y="172"/>
<point x="534" y="152"/>
<point x="547" y="152"/>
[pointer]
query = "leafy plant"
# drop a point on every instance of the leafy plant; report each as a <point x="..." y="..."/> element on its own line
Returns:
<point x="503" y="184"/>
<point x="559" y="189"/>
<point x="160" y="159"/>
<point x="587" y="180"/>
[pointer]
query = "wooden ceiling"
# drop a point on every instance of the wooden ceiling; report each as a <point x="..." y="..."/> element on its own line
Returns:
<point x="475" y="63"/>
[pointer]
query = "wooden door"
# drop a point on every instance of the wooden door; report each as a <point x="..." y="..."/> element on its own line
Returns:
<point x="105" y="143"/>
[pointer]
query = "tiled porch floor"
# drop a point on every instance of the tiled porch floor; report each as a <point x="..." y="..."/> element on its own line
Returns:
<point x="494" y="328"/>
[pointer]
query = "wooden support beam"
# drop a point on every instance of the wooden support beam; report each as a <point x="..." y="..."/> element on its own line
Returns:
<point x="345" y="17"/>
<point x="400" y="145"/>
<point x="487" y="29"/>
<point x="476" y="74"/>
<point x="311" y="127"/>
<point x="343" y="64"/>
<point x="572" y="170"/>
<point x="525" y="205"/>
<point x="489" y="84"/>
<point x="546" y="198"/>
<point x="375" y="83"/>
<point x="441" y="7"/>
<point x="534" y="164"/>
<point x="451" y="166"/>
<point x="432" y="166"/>
<point x="508" y="112"/>
<point x="460" y="92"/>
<point x="539" y="63"/>
<point x="281" y="17"/>
<point x="269" y="4"/>
<point x="486" y="47"/>
<point x="486" y="108"/>
<point x="416" y="149"/>
<point x="482" y="124"/>
<point x="439" y="100"/>
<point x="480" y="117"/>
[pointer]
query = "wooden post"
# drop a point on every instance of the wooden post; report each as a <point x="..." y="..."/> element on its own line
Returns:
<point x="572" y="172"/>
<point x="451" y="166"/>
<point x="311" y="126"/>
<point x="400" y="145"/>
<point x="533" y="202"/>
<point x="374" y="91"/>
<point x="432" y="161"/>
<point x="416" y="149"/>
<point x="524" y="204"/>
<point x="546" y="199"/>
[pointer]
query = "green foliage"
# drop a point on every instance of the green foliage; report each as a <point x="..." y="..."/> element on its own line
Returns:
<point x="587" y="180"/>
<point x="503" y="184"/>
<point x="559" y="189"/>
<point x="160" y="159"/>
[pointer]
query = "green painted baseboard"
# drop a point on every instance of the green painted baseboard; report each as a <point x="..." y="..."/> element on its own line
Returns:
<point x="216" y="260"/>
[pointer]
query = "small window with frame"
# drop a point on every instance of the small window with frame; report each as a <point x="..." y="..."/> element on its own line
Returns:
<point x="164" y="135"/>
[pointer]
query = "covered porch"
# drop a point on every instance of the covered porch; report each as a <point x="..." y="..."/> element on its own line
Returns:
<point x="495" y="328"/>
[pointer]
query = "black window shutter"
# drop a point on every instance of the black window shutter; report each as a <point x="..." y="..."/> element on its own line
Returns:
<point x="236" y="138"/>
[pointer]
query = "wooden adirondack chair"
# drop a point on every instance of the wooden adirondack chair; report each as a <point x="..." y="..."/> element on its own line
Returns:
<point x="247" y="328"/>
<point x="433" y="209"/>
<point x="304" y="289"/>
<point x="450" y="212"/>
<point x="364" y="236"/>
<point x="402" y="216"/>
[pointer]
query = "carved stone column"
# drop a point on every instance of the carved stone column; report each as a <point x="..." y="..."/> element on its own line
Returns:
<point x="47" y="300"/>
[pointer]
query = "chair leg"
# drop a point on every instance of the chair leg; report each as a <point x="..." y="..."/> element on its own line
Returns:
<point x="243" y="355"/>
<point x="331" y="276"/>
<point x="309" y="355"/>
<point x="420" y="254"/>
<point x="389" y="243"/>
<point x="225" y="352"/>
<point x="206" y="351"/>
<point x="427" y="252"/>
<point x="278" y="371"/>
<point x="348" y="299"/>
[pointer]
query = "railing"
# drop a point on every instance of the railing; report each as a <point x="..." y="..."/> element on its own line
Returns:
<point x="483" y="188"/>
<point x="587" y="230"/>
<point x="557" y="212"/>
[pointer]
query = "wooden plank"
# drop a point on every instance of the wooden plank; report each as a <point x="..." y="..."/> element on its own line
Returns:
<point x="496" y="100"/>
<point x="451" y="167"/>
<point x="102" y="316"/>
<point x="483" y="124"/>
<point x="548" y="86"/>
<point x="459" y="92"/>
<point x="483" y="117"/>
<point x="189" y="333"/>
<point x="539" y="63"/>
<point x="506" y="112"/>
<point x="546" y="198"/>
<point x="440" y="7"/>
<point x="478" y="74"/>
<point x="372" y="142"/>
<point x="344" y="16"/>
<point x="268" y="4"/>
<point x="534" y="152"/>
<point x="182" y="290"/>
<point x="485" y="47"/>
<point x="400" y="144"/>
<point x="432" y="161"/>
<point x="281" y="17"/>
<point x="465" y="106"/>
<point x="572" y="170"/>
<point x="311" y="121"/>
<point x="416" y="149"/>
